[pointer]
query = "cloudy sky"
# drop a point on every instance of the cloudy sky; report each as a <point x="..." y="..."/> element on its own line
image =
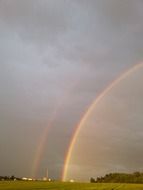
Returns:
<point x="110" y="138"/>
<point x="56" y="56"/>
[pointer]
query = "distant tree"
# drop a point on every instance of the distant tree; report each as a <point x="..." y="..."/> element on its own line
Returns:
<point x="6" y="178"/>
<point x="12" y="177"/>
<point x="92" y="180"/>
<point x="137" y="174"/>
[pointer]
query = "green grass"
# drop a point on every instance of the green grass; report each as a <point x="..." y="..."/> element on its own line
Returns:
<point x="37" y="185"/>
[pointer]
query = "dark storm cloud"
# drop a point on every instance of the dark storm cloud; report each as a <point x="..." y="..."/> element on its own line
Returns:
<point x="60" y="50"/>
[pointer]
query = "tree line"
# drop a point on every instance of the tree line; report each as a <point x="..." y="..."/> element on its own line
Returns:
<point x="9" y="178"/>
<point x="136" y="177"/>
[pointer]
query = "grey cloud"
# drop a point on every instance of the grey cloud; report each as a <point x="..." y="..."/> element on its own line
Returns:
<point x="36" y="21"/>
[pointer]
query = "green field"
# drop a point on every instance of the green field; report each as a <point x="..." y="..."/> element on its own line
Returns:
<point x="17" y="185"/>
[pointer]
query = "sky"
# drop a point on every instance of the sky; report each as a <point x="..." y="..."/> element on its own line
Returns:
<point x="110" y="138"/>
<point x="56" y="56"/>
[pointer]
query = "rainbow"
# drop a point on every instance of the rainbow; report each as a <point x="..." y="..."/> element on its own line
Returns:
<point x="89" y="111"/>
<point x="44" y="136"/>
<point x="42" y="144"/>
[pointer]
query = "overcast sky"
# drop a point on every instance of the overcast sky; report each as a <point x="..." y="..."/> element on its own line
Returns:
<point x="56" y="56"/>
<point x="110" y="140"/>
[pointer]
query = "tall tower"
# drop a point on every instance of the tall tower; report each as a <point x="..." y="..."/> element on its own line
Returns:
<point x="46" y="178"/>
<point x="47" y="174"/>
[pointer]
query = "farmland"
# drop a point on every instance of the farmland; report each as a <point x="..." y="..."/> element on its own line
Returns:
<point x="37" y="185"/>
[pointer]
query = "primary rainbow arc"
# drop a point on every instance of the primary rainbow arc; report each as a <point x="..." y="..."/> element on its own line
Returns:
<point x="89" y="111"/>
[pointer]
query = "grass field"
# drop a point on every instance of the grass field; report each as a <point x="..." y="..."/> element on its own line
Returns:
<point x="21" y="185"/>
